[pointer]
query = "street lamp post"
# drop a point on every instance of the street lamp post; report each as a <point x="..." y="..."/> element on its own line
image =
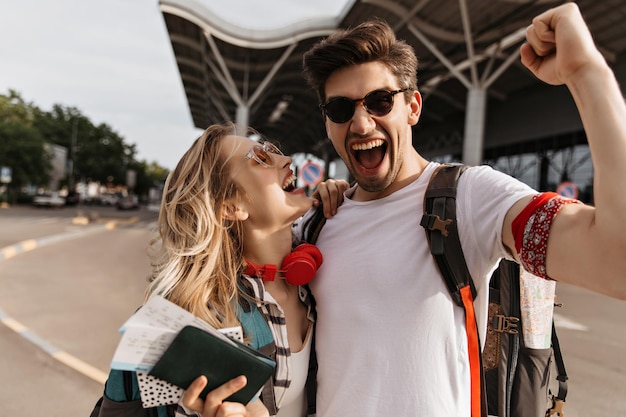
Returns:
<point x="72" y="155"/>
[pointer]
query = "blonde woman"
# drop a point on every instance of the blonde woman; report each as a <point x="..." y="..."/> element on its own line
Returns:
<point x="225" y="223"/>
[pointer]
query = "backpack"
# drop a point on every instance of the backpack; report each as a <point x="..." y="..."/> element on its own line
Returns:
<point x="508" y="378"/>
<point x="122" y="386"/>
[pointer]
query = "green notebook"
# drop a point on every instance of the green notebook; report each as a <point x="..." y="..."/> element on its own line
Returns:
<point x="195" y="352"/>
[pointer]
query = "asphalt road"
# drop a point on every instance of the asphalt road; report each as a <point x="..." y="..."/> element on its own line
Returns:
<point x="63" y="297"/>
<point x="67" y="286"/>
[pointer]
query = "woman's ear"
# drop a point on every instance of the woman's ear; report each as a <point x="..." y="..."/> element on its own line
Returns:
<point x="233" y="211"/>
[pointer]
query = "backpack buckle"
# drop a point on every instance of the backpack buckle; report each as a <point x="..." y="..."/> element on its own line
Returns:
<point x="504" y="324"/>
<point x="557" y="408"/>
<point x="434" y="222"/>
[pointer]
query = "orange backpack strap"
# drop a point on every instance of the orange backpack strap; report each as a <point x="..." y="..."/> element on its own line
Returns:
<point x="439" y="221"/>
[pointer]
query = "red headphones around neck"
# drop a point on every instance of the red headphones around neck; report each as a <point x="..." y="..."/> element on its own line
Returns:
<point x="299" y="267"/>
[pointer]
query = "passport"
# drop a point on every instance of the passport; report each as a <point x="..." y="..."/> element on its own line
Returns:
<point x="195" y="352"/>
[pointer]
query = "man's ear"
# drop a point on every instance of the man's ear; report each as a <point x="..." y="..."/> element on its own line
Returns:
<point x="233" y="211"/>
<point x="416" y="108"/>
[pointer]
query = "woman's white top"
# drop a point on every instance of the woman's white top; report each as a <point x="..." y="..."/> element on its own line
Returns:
<point x="294" y="403"/>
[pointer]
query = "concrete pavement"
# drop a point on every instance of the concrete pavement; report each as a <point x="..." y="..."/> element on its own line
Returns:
<point x="24" y="230"/>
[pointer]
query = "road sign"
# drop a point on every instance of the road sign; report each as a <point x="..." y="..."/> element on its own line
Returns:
<point x="567" y="189"/>
<point x="312" y="173"/>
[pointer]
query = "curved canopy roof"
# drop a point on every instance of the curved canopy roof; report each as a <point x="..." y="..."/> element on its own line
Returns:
<point x="460" y="44"/>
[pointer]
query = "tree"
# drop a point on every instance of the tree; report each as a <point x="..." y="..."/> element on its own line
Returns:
<point x="149" y="175"/>
<point x="96" y="153"/>
<point x="22" y="147"/>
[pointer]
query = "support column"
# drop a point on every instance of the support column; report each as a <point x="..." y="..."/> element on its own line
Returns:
<point x="243" y="118"/>
<point x="474" y="126"/>
<point x="544" y="167"/>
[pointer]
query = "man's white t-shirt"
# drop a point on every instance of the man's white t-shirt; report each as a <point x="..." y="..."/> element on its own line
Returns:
<point x="390" y="341"/>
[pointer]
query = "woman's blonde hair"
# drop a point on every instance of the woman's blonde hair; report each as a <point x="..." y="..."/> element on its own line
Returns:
<point x="198" y="252"/>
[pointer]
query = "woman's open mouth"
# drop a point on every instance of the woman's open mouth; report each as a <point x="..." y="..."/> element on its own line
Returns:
<point x="289" y="184"/>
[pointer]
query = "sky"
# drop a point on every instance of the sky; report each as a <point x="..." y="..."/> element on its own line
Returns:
<point x="113" y="61"/>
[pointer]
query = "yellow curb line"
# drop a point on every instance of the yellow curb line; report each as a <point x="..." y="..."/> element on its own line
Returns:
<point x="81" y="366"/>
<point x="61" y="356"/>
<point x="24" y="246"/>
<point x="9" y="252"/>
<point x="14" y="325"/>
<point x="29" y="245"/>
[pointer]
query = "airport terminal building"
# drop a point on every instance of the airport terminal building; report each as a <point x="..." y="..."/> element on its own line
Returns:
<point x="480" y="105"/>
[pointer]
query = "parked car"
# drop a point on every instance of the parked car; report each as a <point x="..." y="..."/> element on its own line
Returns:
<point x="72" y="199"/>
<point x="50" y="199"/>
<point x="109" y="199"/>
<point x="129" y="202"/>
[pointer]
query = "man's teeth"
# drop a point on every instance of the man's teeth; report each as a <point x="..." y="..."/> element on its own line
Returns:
<point x="367" y="145"/>
<point x="289" y="181"/>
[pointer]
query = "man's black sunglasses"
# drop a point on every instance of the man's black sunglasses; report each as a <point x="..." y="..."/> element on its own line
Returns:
<point x="377" y="103"/>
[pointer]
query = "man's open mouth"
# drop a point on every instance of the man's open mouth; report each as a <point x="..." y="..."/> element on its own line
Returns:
<point x="369" y="154"/>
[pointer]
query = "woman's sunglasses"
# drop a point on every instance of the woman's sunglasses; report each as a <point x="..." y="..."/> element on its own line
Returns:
<point x="377" y="103"/>
<point x="261" y="153"/>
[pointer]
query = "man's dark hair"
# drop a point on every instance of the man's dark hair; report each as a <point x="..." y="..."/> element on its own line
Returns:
<point x="370" y="41"/>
